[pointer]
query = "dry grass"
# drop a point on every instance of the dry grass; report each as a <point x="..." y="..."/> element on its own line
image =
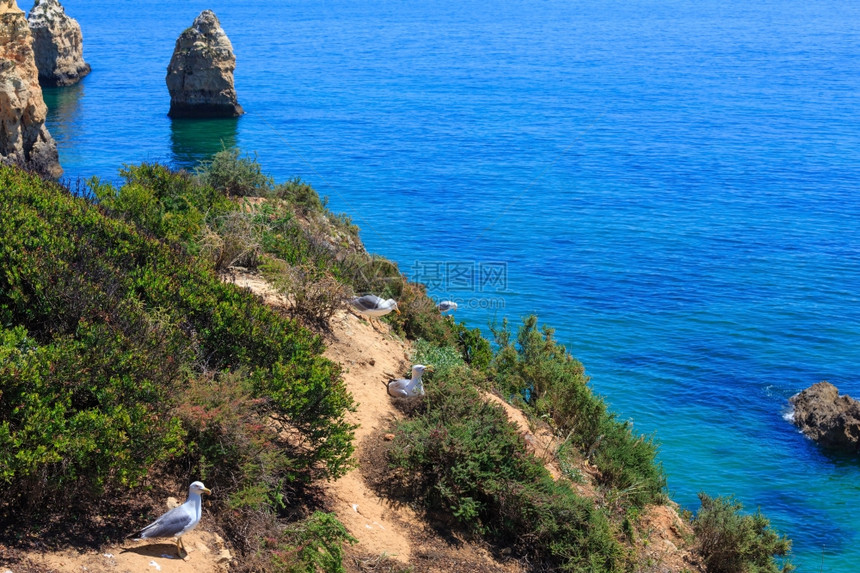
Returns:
<point x="234" y="242"/>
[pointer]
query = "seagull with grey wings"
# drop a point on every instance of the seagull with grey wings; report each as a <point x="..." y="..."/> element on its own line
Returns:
<point x="373" y="306"/>
<point x="407" y="388"/>
<point x="179" y="520"/>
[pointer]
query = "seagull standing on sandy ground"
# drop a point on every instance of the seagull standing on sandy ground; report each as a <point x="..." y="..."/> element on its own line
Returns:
<point x="179" y="520"/>
<point x="402" y="388"/>
<point x="373" y="306"/>
<point x="447" y="305"/>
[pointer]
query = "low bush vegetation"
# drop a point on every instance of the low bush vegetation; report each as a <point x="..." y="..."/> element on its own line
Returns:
<point x="300" y="195"/>
<point x="233" y="239"/>
<point x="313" y="294"/>
<point x="732" y="541"/>
<point x="308" y="546"/>
<point x="553" y="385"/>
<point x="460" y="455"/>
<point x="121" y="354"/>
<point x="163" y="203"/>
<point x="235" y="175"/>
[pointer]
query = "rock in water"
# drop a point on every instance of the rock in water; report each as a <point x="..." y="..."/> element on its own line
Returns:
<point x="24" y="139"/>
<point x="58" y="45"/>
<point x="200" y="74"/>
<point x="828" y="418"/>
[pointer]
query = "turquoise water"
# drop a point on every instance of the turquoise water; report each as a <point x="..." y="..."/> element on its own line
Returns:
<point x="671" y="185"/>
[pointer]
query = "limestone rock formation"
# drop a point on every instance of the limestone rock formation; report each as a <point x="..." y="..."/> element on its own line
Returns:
<point x="200" y="74"/>
<point x="828" y="418"/>
<point x="58" y="44"/>
<point x="24" y="139"/>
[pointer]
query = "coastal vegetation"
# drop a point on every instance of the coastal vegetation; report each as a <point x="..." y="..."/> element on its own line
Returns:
<point x="733" y="541"/>
<point x="126" y="361"/>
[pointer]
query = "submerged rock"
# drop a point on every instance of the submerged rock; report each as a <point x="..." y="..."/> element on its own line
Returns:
<point x="58" y="45"/>
<point x="24" y="139"/>
<point x="200" y="74"/>
<point x="828" y="418"/>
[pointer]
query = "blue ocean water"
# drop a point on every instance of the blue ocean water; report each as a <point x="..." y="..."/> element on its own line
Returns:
<point x="672" y="185"/>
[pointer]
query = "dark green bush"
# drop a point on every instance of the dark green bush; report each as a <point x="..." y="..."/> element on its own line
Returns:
<point x="76" y="414"/>
<point x="309" y="546"/>
<point x="462" y="456"/>
<point x="732" y="542"/>
<point x="476" y="349"/>
<point x="554" y="385"/>
<point x="419" y="317"/>
<point x="106" y="325"/>
<point x="165" y="203"/>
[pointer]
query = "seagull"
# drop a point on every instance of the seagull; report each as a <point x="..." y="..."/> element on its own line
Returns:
<point x="446" y="305"/>
<point x="179" y="520"/>
<point x="373" y="306"/>
<point x="402" y="388"/>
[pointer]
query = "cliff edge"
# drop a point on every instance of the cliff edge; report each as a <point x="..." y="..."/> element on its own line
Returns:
<point x="24" y="139"/>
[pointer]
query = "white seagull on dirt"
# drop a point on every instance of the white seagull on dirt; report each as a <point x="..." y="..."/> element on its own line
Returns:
<point x="179" y="520"/>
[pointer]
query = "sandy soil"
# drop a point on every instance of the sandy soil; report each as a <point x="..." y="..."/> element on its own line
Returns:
<point x="370" y="357"/>
<point x="207" y="553"/>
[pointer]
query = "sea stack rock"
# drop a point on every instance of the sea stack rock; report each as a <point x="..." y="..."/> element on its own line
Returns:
<point x="828" y="418"/>
<point x="200" y="74"/>
<point x="24" y="139"/>
<point x="58" y="45"/>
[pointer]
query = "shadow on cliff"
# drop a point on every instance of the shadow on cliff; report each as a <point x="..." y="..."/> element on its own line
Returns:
<point x="195" y="140"/>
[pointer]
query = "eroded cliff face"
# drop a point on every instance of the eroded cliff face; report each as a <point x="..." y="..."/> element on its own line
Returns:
<point x="200" y="74"/>
<point x="57" y="44"/>
<point x="24" y="139"/>
<point x="828" y="418"/>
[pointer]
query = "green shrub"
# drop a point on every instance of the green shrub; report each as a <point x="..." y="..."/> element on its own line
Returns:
<point x="309" y="546"/>
<point x="554" y="385"/>
<point x="443" y="359"/>
<point x="731" y="541"/>
<point x="475" y="349"/>
<point x="167" y="204"/>
<point x="235" y="175"/>
<point x="229" y="440"/>
<point x="85" y="411"/>
<point x="300" y="195"/>
<point x="107" y="325"/>
<point x="462" y="456"/>
<point x="419" y="317"/>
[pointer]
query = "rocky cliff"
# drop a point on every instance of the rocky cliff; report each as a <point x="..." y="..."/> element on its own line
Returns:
<point x="200" y="74"/>
<point x="58" y="44"/>
<point x="24" y="139"/>
<point x="828" y="418"/>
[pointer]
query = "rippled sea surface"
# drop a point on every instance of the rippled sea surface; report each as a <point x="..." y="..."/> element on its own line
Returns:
<point x="673" y="186"/>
